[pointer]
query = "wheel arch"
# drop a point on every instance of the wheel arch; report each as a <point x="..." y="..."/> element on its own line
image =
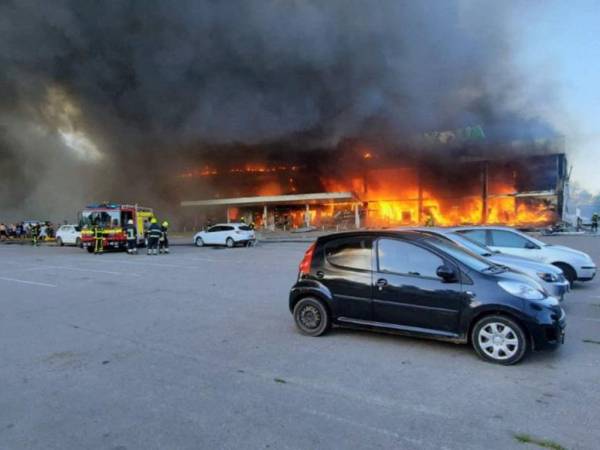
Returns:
<point x="499" y="312"/>
<point x="308" y="288"/>
<point x="561" y="264"/>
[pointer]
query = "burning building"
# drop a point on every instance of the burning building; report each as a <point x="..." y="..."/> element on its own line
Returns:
<point x="435" y="180"/>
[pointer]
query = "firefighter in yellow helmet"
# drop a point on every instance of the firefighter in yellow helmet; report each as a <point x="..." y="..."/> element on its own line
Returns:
<point x="98" y="239"/>
<point x="164" y="237"/>
<point x="154" y="234"/>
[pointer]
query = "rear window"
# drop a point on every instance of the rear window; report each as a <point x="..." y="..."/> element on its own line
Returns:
<point x="226" y="228"/>
<point x="350" y="253"/>
<point x="244" y="228"/>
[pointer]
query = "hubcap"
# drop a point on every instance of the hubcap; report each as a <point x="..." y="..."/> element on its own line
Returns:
<point x="310" y="317"/>
<point x="498" y="340"/>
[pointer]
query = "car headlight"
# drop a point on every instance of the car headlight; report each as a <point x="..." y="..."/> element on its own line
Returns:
<point x="521" y="290"/>
<point x="548" y="277"/>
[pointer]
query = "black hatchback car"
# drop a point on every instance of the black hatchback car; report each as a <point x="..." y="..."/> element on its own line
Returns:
<point x="417" y="284"/>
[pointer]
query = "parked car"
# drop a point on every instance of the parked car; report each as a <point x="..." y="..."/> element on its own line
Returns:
<point x="576" y="265"/>
<point x="228" y="234"/>
<point x="420" y="285"/>
<point x="549" y="276"/>
<point x="69" y="235"/>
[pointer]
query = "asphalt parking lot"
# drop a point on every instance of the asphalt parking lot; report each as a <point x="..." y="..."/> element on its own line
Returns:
<point x="197" y="349"/>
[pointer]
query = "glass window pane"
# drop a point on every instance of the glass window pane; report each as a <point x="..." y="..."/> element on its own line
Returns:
<point x="475" y="235"/>
<point x="405" y="258"/>
<point x="508" y="239"/>
<point x="354" y="253"/>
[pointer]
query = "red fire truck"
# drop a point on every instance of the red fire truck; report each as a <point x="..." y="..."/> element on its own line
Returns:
<point x="112" y="219"/>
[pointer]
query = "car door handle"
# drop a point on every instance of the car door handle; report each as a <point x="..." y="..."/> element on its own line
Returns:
<point x="381" y="283"/>
<point x="320" y="274"/>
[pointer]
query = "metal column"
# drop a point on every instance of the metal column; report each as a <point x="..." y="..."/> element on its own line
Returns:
<point x="307" y="216"/>
<point x="265" y="217"/>
<point x="419" y="196"/>
<point x="484" y="193"/>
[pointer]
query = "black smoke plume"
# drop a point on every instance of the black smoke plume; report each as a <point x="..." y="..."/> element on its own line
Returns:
<point x="99" y="100"/>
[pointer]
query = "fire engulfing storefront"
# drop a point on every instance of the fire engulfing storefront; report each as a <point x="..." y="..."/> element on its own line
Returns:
<point x="359" y="184"/>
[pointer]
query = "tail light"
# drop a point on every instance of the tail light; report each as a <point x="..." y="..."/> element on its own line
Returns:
<point x="307" y="260"/>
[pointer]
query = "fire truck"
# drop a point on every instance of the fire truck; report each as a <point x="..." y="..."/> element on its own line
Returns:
<point x="112" y="218"/>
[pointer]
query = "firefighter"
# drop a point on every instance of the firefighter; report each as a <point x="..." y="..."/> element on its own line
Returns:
<point x="35" y="234"/>
<point x="131" y="232"/>
<point x="595" y="219"/>
<point x="98" y="239"/>
<point x="164" y="237"/>
<point x="154" y="235"/>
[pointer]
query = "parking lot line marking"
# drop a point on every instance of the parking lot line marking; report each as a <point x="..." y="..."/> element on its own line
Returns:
<point x="78" y="269"/>
<point x="34" y="283"/>
<point x="591" y="319"/>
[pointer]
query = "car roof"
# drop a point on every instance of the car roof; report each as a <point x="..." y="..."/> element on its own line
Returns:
<point x="483" y="227"/>
<point x="410" y="235"/>
<point x="231" y="224"/>
<point x="437" y="230"/>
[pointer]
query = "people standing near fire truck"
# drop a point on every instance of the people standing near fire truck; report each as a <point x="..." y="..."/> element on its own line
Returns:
<point x="164" y="237"/>
<point x="131" y="233"/>
<point x="98" y="239"/>
<point x="154" y="234"/>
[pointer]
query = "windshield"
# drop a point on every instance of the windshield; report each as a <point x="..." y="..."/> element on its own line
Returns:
<point x="475" y="247"/>
<point x="104" y="219"/>
<point x="465" y="256"/>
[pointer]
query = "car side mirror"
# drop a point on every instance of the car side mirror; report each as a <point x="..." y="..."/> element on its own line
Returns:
<point x="530" y="246"/>
<point x="446" y="273"/>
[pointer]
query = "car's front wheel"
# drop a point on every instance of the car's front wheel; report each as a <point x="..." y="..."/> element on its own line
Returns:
<point x="229" y="243"/>
<point x="499" y="339"/>
<point x="311" y="317"/>
<point x="199" y="242"/>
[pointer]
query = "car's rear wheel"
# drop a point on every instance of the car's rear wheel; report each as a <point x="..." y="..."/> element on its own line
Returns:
<point x="499" y="339"/>
<point x="59" y="242"/>
<point x="229" y="242"/>
<point x="569" y="272"/>
<point x="311" y="317"/>
<point x="199" y="242"/>
<point x="90" y="249"/>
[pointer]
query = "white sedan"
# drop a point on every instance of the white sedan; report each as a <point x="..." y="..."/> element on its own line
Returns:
<point x="228" y="234"/>
<point x="68" y="234"/>
<point x="576" y="265"/>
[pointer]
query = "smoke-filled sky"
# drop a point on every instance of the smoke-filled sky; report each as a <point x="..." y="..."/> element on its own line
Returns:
<point x="100" y="99"/>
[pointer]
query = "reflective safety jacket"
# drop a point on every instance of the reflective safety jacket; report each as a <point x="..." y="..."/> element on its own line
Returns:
<point x="131" y="233"/>
<point x="154" y="231"/>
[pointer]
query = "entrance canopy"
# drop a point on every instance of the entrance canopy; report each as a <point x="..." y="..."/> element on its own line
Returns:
<point x="293" y="199"/>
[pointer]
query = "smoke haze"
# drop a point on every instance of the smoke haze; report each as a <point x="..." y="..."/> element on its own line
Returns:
<point x="101" y="99"/>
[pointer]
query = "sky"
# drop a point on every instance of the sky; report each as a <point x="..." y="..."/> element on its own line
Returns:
<point x="561" y="41"/>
